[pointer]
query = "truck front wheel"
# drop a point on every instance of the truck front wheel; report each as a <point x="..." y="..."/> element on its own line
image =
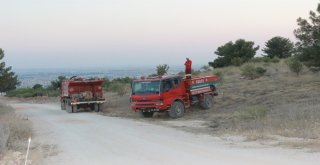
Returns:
<point x="207" y="102"/>
<point x="177" y="110"/>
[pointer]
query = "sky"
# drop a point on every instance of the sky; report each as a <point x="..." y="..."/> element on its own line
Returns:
<point x="133" y="33"/>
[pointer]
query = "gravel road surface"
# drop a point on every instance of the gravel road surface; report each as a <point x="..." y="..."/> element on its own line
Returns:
<point x="88" y="138"/>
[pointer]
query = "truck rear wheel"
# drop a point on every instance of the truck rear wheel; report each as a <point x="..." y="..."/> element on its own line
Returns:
<point x="177" y="110"/>
<point x="98" y="107"/>
<point x="92" y="106"/>
<point x="101" y="107"/>
<point x="75" y="108"/>
<point x="207" y="102"/>
<point x="69" y="108"/>
<point x="63" y="105"/>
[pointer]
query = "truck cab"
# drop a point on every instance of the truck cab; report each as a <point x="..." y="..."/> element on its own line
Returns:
<point x="172" y="94"/>
<point x="156" y="94"/>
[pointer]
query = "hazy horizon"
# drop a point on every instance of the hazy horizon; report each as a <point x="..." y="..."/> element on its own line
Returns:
<point x="99" y="33"/>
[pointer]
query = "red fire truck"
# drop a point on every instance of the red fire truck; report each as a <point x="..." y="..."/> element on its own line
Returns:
<point x="79" y="93"/>
<point x="172" y="93"/>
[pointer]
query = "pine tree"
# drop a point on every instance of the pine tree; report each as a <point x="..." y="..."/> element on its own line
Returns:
<point x="308" y="35"/>
<point x="278" y="47"/>
<point x="8" y="79"/>
<point x="235" y="53"/>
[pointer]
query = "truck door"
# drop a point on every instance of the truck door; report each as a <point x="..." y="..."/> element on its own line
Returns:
<point x="171" y="90"/>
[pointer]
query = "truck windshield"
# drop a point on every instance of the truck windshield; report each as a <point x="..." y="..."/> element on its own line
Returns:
<point x="146" y="88"/>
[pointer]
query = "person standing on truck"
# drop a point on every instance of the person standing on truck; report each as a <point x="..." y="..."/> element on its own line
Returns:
<point x="188" y="64"/>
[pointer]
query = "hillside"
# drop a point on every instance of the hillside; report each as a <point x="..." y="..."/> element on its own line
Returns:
<point x="278" y="103"/>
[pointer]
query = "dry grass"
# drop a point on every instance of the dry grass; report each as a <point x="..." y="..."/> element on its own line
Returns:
<point x="278" y="103"/>
<point x="14" y="131"/>
<point x="292" y="103"/>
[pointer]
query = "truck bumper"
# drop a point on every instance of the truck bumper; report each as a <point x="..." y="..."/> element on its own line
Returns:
<point x="88" y="102"/>
<point x="149" y="107"/>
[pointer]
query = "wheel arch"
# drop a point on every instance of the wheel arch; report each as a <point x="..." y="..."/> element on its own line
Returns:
<point x="179" y="100"/>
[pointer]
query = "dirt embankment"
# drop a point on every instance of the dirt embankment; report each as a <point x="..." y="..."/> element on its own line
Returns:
<point x="14" y="133"/>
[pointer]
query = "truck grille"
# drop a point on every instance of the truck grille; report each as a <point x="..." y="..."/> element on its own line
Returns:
<point x="145" y="105"/>
<point x="144" y="100"/>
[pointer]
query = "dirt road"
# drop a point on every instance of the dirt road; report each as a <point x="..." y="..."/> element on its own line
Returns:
<point x="89" y="138"/>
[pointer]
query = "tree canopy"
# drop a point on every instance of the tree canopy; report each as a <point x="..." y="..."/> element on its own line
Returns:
<point x="234" y="53"/>
<point x="278" y="47"/>
<point x="162" y="69"/>
<point x="308" y="35"/>
<point x="8" y="79"/>
<point x="55" y="84"/>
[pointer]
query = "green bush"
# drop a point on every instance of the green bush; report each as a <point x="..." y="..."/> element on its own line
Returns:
<point x="275" y="60"/>
<point x="260" y="71"/>
<point x="52" y="93"/>
<point x="37" y="86"/>
<point x="21" y="92"/>
<point x="251" y="72"/>
<point x="117" y="85"/>
<point x="237" y="61"/>
<point x="295" y="65"/>
<point x="55" y="84"/>
<point x="30" y="92"/>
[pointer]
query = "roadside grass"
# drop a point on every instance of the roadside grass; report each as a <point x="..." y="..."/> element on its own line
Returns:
<point x="291" y="120"/>
<point x="30" y="92"/>
<point x="14" y="130"/>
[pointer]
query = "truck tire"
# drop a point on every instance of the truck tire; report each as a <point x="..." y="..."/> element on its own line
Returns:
<point x="92" y="106"/>
<point x="207" y="102"/>
<point x="74" y="108"/>
<point x="69" y="108"/>
<point x="147" y="114"/>
<point x="98" y="107"/>
<point x="63" y="105"/>
<point x="177" y="110"/>
<point x="101" y="107"/>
